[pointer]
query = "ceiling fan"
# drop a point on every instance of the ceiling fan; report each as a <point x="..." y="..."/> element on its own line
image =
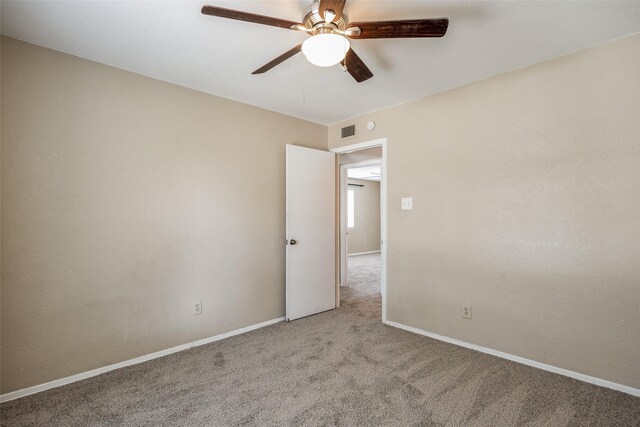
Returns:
<point x="328" y="25"/>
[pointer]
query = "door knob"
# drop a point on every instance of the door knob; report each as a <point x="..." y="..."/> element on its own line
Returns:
<point x="292" y="242"/>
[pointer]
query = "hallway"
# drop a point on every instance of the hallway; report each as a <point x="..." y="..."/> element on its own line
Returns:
<point x="364" y="279"/>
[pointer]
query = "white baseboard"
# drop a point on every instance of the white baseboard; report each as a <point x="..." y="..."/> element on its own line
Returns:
<point x="84" y="375"/>
<point x="365" y="253"/>
<point x="567" y="373"/>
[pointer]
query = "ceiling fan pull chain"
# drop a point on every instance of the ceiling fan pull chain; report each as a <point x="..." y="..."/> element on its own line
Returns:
<point x="304" y="84"/>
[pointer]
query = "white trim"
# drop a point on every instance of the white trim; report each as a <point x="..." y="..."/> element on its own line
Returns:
<point x="382" y="142"/>
<point x="84" y="375"/>
<point x="561" y="371"/>
<point x="359" y="146"/>
<point x="342" y="212"/>
<point x="384" y="171"/>
<point x="364" y="253"/>
<point x="357" y="165"/>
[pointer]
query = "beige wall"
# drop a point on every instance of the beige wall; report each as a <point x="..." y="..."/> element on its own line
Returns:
<point x="526" y="194"/>
<point x="124" y="200"/>
<point x="365" y="236"/>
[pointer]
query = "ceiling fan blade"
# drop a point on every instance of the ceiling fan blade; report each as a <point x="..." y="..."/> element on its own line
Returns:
<point x="356" y="67"/>
<point x="247" y="17"/>
<point x="269" y="65"/>
<point x="401" y="29"/>
<point x="336" y="5"/>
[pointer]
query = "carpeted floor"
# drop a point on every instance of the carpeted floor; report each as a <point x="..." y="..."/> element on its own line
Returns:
<point x="342" y="367"/>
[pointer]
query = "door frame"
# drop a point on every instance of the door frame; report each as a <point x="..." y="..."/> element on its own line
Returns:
<point x="381" y="142"/>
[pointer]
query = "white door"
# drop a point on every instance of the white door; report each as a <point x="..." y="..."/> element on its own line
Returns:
<point x="311" y="221"/>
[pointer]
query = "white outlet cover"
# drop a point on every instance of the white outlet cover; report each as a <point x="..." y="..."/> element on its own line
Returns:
<point x="197" y="307"/>
<point x="466" y="311"/>
<point x="406" y="203"/>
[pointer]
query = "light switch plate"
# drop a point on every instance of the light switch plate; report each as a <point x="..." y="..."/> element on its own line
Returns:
<point x="407" y="203"/>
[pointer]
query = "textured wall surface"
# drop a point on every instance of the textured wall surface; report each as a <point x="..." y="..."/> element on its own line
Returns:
<point x="526" y="195"/>
<point x="124" y="200"/>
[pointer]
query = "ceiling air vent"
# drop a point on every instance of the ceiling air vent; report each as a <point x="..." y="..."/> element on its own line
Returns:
<point x="348" y="131"/>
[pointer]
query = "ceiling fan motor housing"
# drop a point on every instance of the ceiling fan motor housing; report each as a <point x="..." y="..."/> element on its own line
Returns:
<point x="313" y="20"/>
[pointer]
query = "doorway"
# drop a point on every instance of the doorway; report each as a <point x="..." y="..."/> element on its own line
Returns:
<point x="361" y="246"/>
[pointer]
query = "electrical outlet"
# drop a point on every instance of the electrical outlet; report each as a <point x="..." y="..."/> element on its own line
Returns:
<point x="466" y="311"/>
<point x="197" y="307"/>
<point x="406" y="203"/>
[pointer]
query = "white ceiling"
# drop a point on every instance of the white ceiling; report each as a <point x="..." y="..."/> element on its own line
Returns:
<point x="371" y="173"/>
<point x="174" y="42"/>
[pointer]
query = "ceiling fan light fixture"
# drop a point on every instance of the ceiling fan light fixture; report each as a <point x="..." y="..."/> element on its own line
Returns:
<point x="325" y="50"/>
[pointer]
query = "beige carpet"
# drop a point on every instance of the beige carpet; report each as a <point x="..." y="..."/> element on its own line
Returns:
<point x="342" y="367"/>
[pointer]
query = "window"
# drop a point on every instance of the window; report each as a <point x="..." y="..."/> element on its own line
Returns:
<point x="351" y="209"/>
